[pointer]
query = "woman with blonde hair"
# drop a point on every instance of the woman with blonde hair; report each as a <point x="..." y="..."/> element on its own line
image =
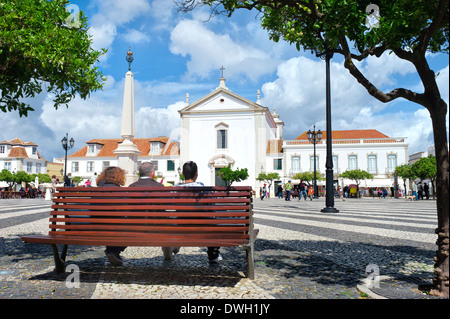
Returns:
<point x="112" y="176"/>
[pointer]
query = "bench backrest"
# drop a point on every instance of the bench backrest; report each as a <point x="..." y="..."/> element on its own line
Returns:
<point x="184" y="213"/>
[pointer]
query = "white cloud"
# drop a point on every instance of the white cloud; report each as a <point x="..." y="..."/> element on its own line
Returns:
<point x="100" y="116"/>
<point x="152" y="122"/>
<point x="298" y="94"/>
<point x="383" y="71"/>
<point x="111" y="15"/>
<point x="134" y="36"/>
<point x="208" y="51"/>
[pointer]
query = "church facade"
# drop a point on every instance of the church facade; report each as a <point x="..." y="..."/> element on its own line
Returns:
<point x="223" y="128"/>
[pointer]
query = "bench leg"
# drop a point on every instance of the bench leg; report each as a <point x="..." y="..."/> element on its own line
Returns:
<point x="250" y="262"/>
<point x="59" y="261"/>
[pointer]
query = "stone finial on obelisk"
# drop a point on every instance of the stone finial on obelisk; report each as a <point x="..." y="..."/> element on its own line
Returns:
<point x="127" y="151"/>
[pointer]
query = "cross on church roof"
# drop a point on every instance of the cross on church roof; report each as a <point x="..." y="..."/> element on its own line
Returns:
<point x="222" y="68"/>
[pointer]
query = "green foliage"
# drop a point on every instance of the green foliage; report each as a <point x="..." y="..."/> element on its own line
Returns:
<point x="357" y="175"/>
<point x="304" y="23"/>
<point x="7" y="176"/>
<point x="267" y="177"/>
<point x="43" y="178"/>
<point x="229" y="176"/>
<point x="425" y="168"/>
<point x="41" y="48"/>
<point x="404" y="171"/>
<point x="22" y="176"/>
<point x="308" y="177"/>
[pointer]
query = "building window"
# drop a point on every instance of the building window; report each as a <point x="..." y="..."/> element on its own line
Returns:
<point x="91" y="148"/>
<point x="221" y="138"/>
<point x="352" y="162"/>
<point x="29" y="167"/>
<point x="392" y="163"/>
<point x="335" y="163"/>
<point x="278" y="164"/>
<point x="34" y="150"/>
<point x="372" y="163"/>
<point x="38" y="168"/>
<point x="2" y="149"/>
<point x="8" y="166"/>
<point x="105" y="164"/>
<point x="154" y="147"/>
<point x="170" y="165"/>
<point x="90" y="167"/>
<point x="311" y="163"/>
<point x="295" y="164"/>
<point x="155" y="165"/>
<point x="74" y="166"/>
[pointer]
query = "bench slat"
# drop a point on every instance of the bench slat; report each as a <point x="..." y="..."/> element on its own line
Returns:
<point x="133" y="241"/>
<point x="151" y="207"/>
<point x="160" y="221"/>
<point x="144" y="214"/>
<point x="148" y="235"/>
<point x="177" y="194"/>
<point x="164" y="228"/>
<point x="124" y="200"/>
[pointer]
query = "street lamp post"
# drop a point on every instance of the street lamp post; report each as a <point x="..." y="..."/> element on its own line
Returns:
<point x="66" y="144"/>
<point x="329" y="199"/>
<point x="314" y="138"/>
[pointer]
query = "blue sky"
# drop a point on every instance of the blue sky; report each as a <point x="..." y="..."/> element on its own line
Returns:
<point x="176" y="53"/>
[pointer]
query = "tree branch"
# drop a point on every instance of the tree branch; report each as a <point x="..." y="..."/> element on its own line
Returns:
<point x="370" y="87"/>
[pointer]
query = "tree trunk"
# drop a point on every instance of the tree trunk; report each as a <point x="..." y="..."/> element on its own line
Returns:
<point x="438" y="115"/>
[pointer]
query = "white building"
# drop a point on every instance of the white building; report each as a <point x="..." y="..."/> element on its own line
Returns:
<point x="224" y="128"/>
<point x="368" y="150"/>
<point x="97" y="154"/>
<point x="17" y="155"/>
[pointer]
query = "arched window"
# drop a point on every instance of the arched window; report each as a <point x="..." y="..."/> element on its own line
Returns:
<point x="222" y="135"/>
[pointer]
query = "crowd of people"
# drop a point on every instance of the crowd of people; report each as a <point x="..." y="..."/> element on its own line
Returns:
<point x="303" y="191"/>
<point x="288" y="191"/>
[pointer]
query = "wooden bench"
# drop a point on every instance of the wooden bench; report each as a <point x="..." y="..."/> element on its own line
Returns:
<point x="150" y="216"/>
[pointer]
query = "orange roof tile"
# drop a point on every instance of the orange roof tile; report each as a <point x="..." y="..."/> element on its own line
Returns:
<point x="18" y="141"/>
<point x="172" y="149"/>
<point x="18" y="152"/>
<point x="109" y="145"/>
<point x="348" y="134"/>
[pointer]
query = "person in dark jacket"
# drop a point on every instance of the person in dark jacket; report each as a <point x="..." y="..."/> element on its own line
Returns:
<point x="146" y="176"/>
<point x="146" y="179"/>
<point x="112" y="176"/>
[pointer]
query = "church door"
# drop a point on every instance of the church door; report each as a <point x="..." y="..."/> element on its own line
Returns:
<point x="219" y="181"/>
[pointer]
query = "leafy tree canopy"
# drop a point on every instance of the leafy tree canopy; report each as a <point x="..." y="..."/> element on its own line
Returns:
<point x="230" y="176"/>
<point x="308" y="177"/>
<point x="357" y="175"/>
<point x="42" y="45"/>
<point x="425" y="168"/>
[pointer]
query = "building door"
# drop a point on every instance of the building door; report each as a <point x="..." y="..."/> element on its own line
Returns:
<point x="219" y="181"/>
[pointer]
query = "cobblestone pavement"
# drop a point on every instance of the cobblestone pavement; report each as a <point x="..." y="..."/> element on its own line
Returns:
<point x="300" y="253"/>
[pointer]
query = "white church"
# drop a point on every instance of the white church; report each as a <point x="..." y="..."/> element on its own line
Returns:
<point x="223" y="128"/>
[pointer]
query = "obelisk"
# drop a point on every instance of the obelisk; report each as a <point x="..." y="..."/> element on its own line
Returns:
<point x="127" y="152"/>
